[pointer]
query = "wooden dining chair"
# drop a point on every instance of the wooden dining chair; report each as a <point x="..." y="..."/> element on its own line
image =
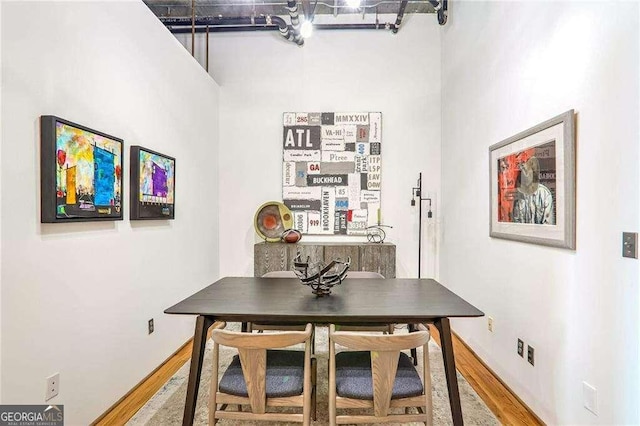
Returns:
<point x="264" y="375"/>
<point x="385" y="328"/>
<point x="381" y="327"/>
<point x="376" y="375"/>
<point x="278" y="325"/>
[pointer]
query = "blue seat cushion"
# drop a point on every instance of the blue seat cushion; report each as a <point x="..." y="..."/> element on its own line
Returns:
<point x="362" y="324"/>
<point x="285" y="375"/>
<point x="279" y="323"/>
<point x="353" y="377"/>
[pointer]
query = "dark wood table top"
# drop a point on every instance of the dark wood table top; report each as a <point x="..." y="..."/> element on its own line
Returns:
<point x="355" y="300"/>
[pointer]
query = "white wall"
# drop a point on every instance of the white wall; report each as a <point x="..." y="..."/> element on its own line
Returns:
<point x="507" y="66"/>
<point x="76" y="297"/>
<point x="262" y="75"/>
<point x="1" y="2"/>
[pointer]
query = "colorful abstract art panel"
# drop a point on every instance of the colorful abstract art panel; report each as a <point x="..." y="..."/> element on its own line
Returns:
<point x="152" y="184"/>
<point x="331" y="171"/>
<point x="81" y="173"/>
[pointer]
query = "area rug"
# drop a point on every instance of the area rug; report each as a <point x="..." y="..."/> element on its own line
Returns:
<point x="167" y="405"/>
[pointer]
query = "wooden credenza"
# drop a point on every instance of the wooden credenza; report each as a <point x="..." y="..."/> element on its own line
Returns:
<point x="373" y="257"/>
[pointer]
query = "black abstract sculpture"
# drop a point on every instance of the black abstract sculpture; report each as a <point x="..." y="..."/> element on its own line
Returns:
<point x="320" y="277"/>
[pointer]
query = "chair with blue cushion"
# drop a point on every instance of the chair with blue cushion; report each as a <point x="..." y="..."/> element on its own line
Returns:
<point x="381" y="327"/>
<point x="264" y="375"/>
<point x="279" y="325"/>
<point x="374" y="374"/>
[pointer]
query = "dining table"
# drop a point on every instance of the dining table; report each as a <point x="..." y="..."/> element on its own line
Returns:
<point x="355" y="300"/>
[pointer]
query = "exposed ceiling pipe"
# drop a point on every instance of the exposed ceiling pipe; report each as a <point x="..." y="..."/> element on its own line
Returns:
<point x="403" y="6"/>
<point x="292" y="7"/>
<point x="207" y="49"/>
<point x="441" y="8"/>
<point x="193" y="27"/>
<point x="216" y="23"/>
<point x="385" y="26"/>
<point x="285" y="30"/>
<point x="328" y="4"/>
<point x="223" y="28"/>
<point x="443" y="13"/>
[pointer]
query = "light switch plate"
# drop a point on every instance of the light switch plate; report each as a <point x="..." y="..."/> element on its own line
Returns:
<point x="630" y="245"/>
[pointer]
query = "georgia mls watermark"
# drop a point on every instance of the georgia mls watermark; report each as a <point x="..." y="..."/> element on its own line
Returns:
<point x="31" y="415"/>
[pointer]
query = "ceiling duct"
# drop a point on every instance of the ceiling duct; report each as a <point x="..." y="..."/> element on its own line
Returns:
<point x="181" y="8"/>
<point x="403" y="6"/>
<point x="230" y="17"/>
<point x="292" y="7"/>
<point x="441" y="8"/>
<point x="258" y="23"/>
<point x="231" y="24"/>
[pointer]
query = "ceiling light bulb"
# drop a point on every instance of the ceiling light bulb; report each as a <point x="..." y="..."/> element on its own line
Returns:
<point x="306" y="29"/>
<point x="354" y="4"/>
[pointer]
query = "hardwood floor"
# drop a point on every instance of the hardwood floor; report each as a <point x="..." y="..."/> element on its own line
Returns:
<point x="128" y="405"/>
<point x="500" y="400"/>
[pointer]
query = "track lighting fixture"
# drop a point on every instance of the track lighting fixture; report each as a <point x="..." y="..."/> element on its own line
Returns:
<point x="306" y="29"/>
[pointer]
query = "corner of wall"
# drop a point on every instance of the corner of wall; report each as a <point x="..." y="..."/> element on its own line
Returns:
<point x="533" y="61"/>
<point x="129" y="78"/>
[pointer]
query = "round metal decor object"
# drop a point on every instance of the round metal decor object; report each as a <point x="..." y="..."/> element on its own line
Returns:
<point x="271" y="220"/>
<point x="375" y="233"/>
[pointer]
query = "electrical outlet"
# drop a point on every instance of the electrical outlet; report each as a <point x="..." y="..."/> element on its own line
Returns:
<point x="521" y="348"/>
<point x="490" y="324"/>
<point x="630" y="245"/>
<point x="530" y="354"/>
<point x="151" y="326"/>
<point x="590" y="397"/>
<point x="53" y="386"/>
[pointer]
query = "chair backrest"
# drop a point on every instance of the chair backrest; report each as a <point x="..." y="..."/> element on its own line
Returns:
<point x="350" y="274"/>
<point x="280" y="274"/>
<point x="252" y="349"/>
<point x="364" y="274"/>
<point x="385" y="352"/>
<point x="240" y="340"/>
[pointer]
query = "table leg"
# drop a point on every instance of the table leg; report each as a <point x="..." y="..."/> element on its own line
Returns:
<point x="446" y="344"/>
<point x="414" y="351"/>
<point x="199" y="340"/>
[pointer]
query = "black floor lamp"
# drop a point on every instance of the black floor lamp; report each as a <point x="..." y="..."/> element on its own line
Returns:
<point x="416" y="193"/>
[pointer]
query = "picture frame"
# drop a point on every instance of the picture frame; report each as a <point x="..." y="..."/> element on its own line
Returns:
<point x="80" y="173"/>
<point x="532" y="184"/>
<point x="152" y="178"/>
<point x="332" y="171"/>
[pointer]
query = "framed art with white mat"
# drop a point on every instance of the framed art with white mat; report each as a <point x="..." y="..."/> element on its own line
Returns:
<point x="532" y="175"/>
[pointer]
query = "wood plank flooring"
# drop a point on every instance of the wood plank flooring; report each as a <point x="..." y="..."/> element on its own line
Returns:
<point x="508" y="408"/>
<point x="129" y="404"/>
<point x="501" y="401"/>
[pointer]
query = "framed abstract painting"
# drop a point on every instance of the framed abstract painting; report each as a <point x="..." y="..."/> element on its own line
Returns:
<point x="532" y="177"/>
<point x="81" y="173"/>
<point x="152" y="185"/>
